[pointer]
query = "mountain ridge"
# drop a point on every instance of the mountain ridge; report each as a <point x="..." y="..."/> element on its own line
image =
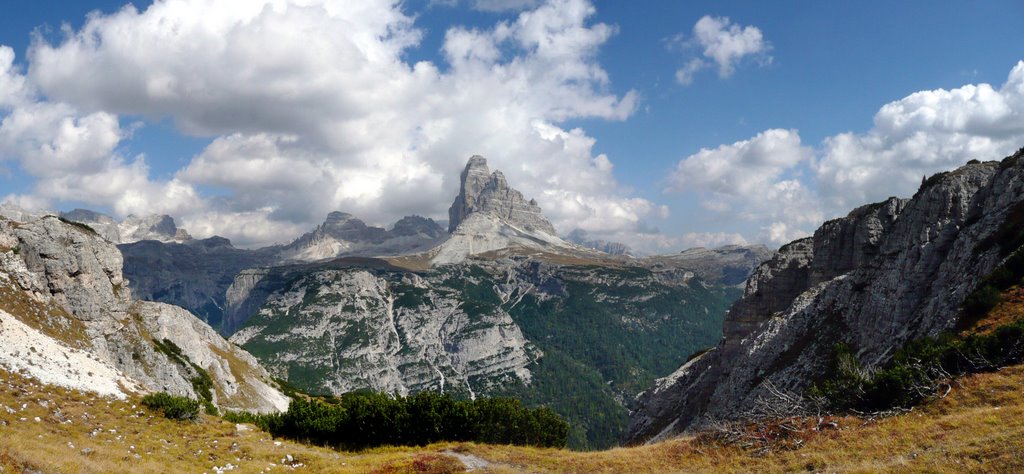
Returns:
<point x="924" y="254"/>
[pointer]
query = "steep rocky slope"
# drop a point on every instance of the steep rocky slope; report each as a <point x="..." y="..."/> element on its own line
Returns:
<point x="506" y="308"/>
<point x="582" y="339"/>
<point x="63" y="282"/>
<point x="193" y="274"/>
<point x="886" y="274"/>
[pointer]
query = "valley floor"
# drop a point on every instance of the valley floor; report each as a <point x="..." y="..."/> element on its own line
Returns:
<point x="979" y="426"/>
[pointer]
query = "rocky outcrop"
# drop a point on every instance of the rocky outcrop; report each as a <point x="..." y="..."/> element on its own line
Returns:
<point x="239" y="382"/>
<point x="194" y="274"/>
<point x="343" y="234"/>
<point x="886" y="274"/>
<point x="729" y="265"/>
<point x="336" y="331"/>
<point x="488" y="215"/>
<point x="64" y="281"/>
<point x="481" y="191"/>
<point x="12" y="211"/>
<point x="106" y="226"/>
<point x="158" y="227"/>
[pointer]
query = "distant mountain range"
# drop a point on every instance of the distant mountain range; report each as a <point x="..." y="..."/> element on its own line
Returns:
<point x="499" y="305"/>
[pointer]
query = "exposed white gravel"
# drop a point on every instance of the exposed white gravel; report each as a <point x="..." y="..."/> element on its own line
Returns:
<point x="25" y="349"/>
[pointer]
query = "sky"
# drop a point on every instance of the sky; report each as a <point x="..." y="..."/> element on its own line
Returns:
<point x="660" y="124"/>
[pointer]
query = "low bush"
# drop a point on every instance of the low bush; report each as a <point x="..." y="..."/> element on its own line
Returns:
<point x="173" y="407"/>
<point x="918" y="371"/>
<point x="366" y="420"/>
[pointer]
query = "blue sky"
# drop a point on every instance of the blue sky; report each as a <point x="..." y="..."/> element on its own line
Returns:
<point x="820" y="69"/>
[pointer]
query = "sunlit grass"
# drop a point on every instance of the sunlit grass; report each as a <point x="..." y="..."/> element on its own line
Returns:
<point x="978" y="427"/>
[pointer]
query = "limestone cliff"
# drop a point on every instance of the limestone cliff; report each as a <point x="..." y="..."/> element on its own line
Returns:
<point x="489" y="215"/>
<point x="158" y="227"/>
<point x="64" y="282"/>
<point x="885" y="274"/>
<point x="582" y="339"/>
<point x="481" y="191"/>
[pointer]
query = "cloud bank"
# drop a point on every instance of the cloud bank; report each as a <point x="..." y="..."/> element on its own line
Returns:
<point x="787" y="188"/>
<point x="311" y="107"/>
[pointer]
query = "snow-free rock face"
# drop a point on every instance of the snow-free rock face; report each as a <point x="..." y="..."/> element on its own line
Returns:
<point x="106" y="226"/>
<point x="513" y="326"/>
<point x="884" y="275"/>
<point x="482" y="232"/>
<point x="489" y="215"/>
<point x="156" y="227"/>
<point x="192" y="274"/>
<point x="64" y="281"/>
<point x="484" y="192"/>
<point x="338" y="331"/>
<point x="343" y="234"/>
<point x="240" y="383"/>
<point x="12" y="211"/>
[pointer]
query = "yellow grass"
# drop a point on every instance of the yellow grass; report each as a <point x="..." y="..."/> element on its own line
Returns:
<point x="978" y="427"/>
<point x="1010" y="309"/>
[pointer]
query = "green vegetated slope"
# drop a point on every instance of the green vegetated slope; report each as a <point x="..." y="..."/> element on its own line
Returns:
<point x="591" y="337"/>
<point x="603" y="344"/>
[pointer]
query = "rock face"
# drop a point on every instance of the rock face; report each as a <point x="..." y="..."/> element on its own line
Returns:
<point x="194" y="274"/>
<point x="343" y="234"/>
<point x="12" y="211"/>
<point x="240" y="382"/>
<point x="884" y="275"/>
<point x="484" y="192"/>
<point x="159" y="227"/>
<point x="578" y="339"/>
<point x="728" y="265"/>
<point x="133" y="229"/>
<point x="103" y="224"/>
<point x="65" y="282"/>
<point x="356" y="331"/>
<point x="488" y="215"/>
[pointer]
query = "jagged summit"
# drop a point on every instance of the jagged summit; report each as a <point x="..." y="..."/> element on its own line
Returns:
<point x="160" y="227"/>
<point x="486" y="192"/>
<point x="344" y="234"/>
<point x="489" y="215"/>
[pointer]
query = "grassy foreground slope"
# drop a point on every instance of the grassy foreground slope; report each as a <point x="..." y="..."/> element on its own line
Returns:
<point x="979" y="426"/>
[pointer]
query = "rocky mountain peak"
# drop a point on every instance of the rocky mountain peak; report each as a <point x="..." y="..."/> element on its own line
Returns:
<point x="486" y="192"/>
<point x="417" y="225"/>
<point x="344" y="234"/>
<point x="160" y="227"/>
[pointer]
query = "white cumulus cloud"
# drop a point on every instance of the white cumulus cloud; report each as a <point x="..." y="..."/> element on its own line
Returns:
<point x="921" y="134"/>
<point x="311" y="107"/>
<point x="721" y="43"/>
<point x="787" y="189"/>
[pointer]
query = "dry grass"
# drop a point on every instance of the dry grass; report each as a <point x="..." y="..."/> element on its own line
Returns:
<point x="1009" y="310"/>
<point x="978" y="427"/>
